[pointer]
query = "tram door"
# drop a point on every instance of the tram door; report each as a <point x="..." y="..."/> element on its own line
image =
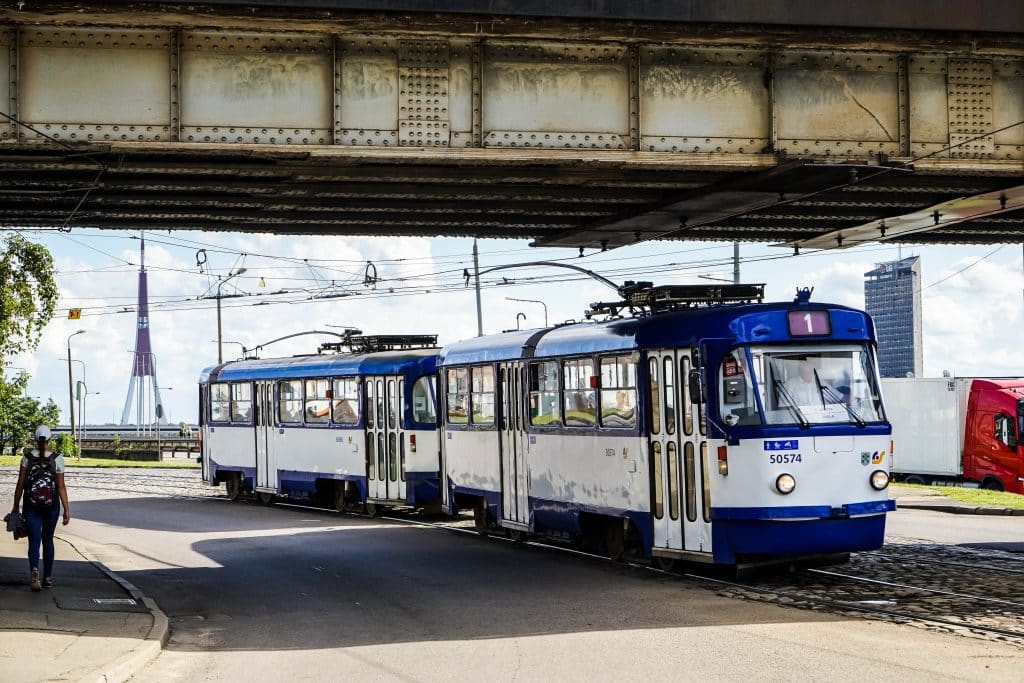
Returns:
<point x="385" y="438"/>
<point x="680" y="499"/>
<point x="263" y="421"/>
<point x="514" y="473"/>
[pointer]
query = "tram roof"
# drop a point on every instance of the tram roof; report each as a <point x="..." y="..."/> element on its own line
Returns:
<point x="422" y="361"/>
<point x="744" y="323"/>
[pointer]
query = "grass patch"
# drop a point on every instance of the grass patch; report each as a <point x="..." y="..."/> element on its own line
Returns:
<point x="982" y="497"/>
<point x="15" y="460"/>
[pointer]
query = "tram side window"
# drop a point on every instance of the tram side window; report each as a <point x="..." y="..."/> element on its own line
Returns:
<point x="220" y="402"/>
<point x="345" y="401"/>
<point x="289" y="406"/>
<point x="483" y="395"/>
<point x="544" y="405"/>
<point x="457" y="397"/>
<point x="737" y="405"/>
<point x="580" y="392"/>
<point x="618" y="392"/>
<point x="241" y="402"/>
<point x="318" y="406"/>
<point x="423" y="401"/>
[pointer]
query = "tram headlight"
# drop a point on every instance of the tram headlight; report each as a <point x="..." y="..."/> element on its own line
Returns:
<point x="879" y="480"/>
<point x="785" y="483"/>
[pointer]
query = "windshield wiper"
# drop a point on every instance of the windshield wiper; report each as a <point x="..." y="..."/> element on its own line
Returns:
<point x="790" y="401"/>
<point x="835" y="397"/>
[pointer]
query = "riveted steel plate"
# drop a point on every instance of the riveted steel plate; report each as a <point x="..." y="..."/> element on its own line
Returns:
<point x="1008" y="109"/>
<point x="857" y="106"/>
<point x="689" y="96"/>
<point x="562" y="51"/>
<point x="8" y="91"/>
<point x="554" y="140"/>
<point x="369" y="91"/>
<point x="838" y="148"/>
<point x="460" y="91"/>
<point x="93" y="77"/>
<point x="254" y="82"/>
<point x="662" y="143"/>
<point x="875" y="62"/>
<point x="530" y="91"/>
<point x="929" y="118"/>
<point x="423" y="81"/>
<point x="970" y="103"/>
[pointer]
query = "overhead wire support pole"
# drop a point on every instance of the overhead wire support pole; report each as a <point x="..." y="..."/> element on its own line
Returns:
<point x="479" y="309"/>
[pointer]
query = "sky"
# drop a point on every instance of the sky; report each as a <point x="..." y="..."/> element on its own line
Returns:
<point x="973" y="298"/>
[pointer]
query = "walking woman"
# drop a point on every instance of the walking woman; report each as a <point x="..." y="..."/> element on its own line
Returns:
<point x="40" y="483"/>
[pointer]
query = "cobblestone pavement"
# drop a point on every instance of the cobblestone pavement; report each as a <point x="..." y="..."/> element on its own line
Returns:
<point x="968" y="591"/>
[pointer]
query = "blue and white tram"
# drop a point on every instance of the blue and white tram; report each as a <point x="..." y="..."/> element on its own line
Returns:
<point x="350" y="429"/>
<point x="730" y="433"/>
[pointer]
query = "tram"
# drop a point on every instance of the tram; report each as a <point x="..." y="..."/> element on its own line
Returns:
<point x="353" y="426"/>
<point x="688" y="423"/>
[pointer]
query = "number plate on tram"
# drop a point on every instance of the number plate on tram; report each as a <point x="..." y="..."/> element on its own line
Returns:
<point x="809" y="323"/>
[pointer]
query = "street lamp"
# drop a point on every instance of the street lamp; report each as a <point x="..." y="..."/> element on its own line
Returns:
<point x="221" y="283"/>
<point x="71" y="398"/>
<point x="533" y="301"/>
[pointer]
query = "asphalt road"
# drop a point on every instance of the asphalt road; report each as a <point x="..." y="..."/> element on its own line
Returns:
<point x="264" y="593"/>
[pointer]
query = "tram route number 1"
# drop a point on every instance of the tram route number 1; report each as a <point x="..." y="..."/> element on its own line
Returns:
<point x="809" y="323"/>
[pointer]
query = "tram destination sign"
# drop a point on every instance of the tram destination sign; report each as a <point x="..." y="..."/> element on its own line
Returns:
<point x="809" y="323"/>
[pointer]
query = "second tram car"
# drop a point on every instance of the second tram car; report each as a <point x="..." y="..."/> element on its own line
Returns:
<point x="702" y="427"/>
<point x="349" y="429"/>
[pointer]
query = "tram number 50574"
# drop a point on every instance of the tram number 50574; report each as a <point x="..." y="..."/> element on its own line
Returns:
<point x="784" y="458"/>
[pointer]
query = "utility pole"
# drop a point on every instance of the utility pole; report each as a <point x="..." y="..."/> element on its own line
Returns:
<point x="476" y="271"/>
<point x="735" y="263"/>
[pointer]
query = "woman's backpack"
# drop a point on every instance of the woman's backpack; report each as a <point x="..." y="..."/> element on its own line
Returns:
<point x="41" y="482"/>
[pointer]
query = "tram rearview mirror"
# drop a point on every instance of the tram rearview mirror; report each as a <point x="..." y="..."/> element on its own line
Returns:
<point x="696" y="395"/>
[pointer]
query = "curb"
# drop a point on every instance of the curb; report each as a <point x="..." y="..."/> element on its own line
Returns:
<point x="962" y="509"/>
<point x="128" y="665"/>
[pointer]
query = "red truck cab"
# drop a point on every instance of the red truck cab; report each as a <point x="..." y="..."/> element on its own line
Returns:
<point x="994" y="434"/>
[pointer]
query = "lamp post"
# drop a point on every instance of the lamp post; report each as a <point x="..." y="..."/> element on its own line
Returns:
<point x="77" y="394"/>
<point x="220" y="350"/>
<point x="71" y="398"/>
<point x="533" y="301"/>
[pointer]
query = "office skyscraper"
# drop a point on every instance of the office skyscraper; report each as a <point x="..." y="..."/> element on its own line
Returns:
<point x="892" y="296"/>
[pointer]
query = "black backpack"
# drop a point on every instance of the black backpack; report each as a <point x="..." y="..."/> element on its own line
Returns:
<point x="41" y="482"/>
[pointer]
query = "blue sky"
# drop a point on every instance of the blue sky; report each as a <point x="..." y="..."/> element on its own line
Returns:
<point x="973" y="297"/>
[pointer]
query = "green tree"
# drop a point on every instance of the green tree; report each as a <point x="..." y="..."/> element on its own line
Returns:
<point x="28" y="294"/>
<point x="20" y="414"/>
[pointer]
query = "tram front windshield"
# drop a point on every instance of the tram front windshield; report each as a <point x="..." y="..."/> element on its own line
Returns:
<point x="799" y="386"/>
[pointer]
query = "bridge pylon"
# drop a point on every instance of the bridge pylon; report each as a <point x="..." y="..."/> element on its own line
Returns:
<point x="146" y="400"/>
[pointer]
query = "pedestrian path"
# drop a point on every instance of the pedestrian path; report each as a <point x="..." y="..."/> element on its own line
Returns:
<point x="91" y="626"/>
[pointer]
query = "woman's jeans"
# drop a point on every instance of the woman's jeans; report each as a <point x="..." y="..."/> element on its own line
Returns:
<point x="41" y="525"/>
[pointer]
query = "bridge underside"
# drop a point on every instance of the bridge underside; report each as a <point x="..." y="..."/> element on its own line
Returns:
<point x="358" y="124"/>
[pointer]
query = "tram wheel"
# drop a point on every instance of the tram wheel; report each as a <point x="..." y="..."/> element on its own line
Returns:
<point x="373" y="509"/>
<point x="480" y="513"/>
<point x="665" y="564"/>
<point x="265" y="498"/>
<point x="233" y="486"/>
<point x="339" y="496"/>
<point x="518" y="536"/>
<point x="615" y="540"/>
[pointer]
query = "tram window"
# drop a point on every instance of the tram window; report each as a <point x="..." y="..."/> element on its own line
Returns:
<point x="289" y="406"/>
<point x="423" y="409"/>
<point x="241" y="402"/>
<point x="705" y="482"/>
<point x="652" y="380"/>
<point x="371" y="456"/>
<point x="318" y="405"/>
<point x="690" y="475"/>
<point x="392" y="457"/>
<point x="687" y="406"/>
<point x="401" y="457"/>
<point x="382" y="472"/>
<point x="392" y="405"/>
<point x="380" y="403"/>
<point x="673" y="481"/>
<point x="670" y="397"/>
<point x="220" y="402"/>
<point x="580" y="395"/>
<point x="618" y="392"/>
<point x="736" y="403"/>
<point x="544" y="405"/>
<point x="370" y="412"/>
<point x="345" y="401"/>
<point x="457" y="396"/>
<point x="657" y="482"/>
<point x="482" y="401"/>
